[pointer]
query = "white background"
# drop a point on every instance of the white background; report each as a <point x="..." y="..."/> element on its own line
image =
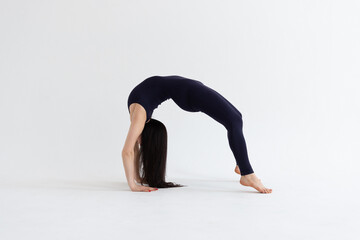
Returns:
<point x="290" y="67"/>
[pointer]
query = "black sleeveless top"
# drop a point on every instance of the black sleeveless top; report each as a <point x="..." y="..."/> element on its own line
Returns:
<point x="154" y="90"/>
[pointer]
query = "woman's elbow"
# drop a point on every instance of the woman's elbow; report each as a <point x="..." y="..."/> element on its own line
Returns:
<point x="127" y="153"/>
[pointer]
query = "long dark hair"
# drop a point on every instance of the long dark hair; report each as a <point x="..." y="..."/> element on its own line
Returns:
<point x="152" y="154"/>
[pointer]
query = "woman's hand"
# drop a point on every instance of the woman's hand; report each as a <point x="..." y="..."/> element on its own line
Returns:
<point x="140" y="188"/>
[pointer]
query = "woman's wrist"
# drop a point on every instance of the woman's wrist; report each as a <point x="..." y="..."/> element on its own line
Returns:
<point x="132" y="184"/>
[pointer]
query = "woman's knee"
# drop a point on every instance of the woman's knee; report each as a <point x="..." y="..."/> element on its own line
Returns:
<point x="235" y="122"/>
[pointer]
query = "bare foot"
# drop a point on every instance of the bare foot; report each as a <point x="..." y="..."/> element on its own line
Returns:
<point x="237" y="169"/>
<point x="251" y="180"/>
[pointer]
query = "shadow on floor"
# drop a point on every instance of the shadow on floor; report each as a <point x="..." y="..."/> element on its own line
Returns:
<point x="192" y="185"/>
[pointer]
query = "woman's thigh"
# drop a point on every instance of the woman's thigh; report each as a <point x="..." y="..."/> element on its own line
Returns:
<point x="207" y="100"/>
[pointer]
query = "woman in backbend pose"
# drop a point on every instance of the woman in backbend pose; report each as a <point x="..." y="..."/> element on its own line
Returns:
<point x="145" y="148"/>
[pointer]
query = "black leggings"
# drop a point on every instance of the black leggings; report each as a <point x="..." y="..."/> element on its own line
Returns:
<point x="203" y="98"/>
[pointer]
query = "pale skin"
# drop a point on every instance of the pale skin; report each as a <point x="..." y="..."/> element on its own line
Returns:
<point x="137" y="119"/>
<point x="251" y="180"/>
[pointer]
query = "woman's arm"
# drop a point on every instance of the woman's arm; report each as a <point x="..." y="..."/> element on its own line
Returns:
<point x="128" y="155"/>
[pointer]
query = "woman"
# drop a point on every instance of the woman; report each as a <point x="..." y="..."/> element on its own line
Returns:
<point x="145" y="149"/>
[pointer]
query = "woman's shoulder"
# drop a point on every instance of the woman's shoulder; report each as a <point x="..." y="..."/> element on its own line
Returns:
<point x="137" y="111"/>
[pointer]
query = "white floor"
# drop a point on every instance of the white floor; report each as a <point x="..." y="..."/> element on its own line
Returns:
<point x="205" y="209"/>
